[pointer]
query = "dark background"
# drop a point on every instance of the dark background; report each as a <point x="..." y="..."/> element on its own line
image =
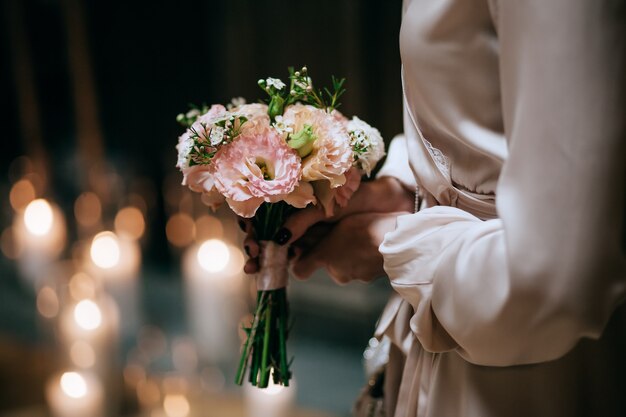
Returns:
<point x="88" y="84"/>
<point x="150" y="59"/>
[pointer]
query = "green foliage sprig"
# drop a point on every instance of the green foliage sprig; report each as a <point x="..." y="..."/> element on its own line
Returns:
<point x="190" y="117"/>
<point x="301" y="89"/>
<point x="205" y="145"/>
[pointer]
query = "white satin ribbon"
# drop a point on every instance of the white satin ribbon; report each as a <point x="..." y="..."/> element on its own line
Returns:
<point x="273" y="267"/>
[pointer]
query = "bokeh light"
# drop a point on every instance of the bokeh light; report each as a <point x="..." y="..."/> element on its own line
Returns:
<point x="21" y="194"/>
<point x="176" y="405"/>
<point x="208" y="227"/>
<point x="105" y="250"/>
<point x="148" y="393"/>
<point x="47" y="302"/>
<point x="82" y="354"/>
<point x="213" y="255"/>
<point x="129" y="222"/>
<point x="180" y="230"/>
<point x="87" y="209"/>
<point x="73" y="385"/>
<point x="87" y="315"/>
<point x="38" y="217"/>
<point x="82" y="286"/>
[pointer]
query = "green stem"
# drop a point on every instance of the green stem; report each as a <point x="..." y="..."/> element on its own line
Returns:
<point x="263" y="380"/>
<point x="282" y="334"/>
<point x="245" y="355"/>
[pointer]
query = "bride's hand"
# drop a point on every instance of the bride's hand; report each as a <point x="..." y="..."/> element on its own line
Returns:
<point x="350" y="251"/>
<point x="383" y="195"/>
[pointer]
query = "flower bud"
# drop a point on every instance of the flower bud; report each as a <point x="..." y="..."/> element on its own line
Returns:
<point x="297" y="73"/>
<point x="275" y="108"/>
<point x="302" y="141"/>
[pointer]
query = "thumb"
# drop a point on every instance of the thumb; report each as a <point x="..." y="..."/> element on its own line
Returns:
<point x="298" y="223"/>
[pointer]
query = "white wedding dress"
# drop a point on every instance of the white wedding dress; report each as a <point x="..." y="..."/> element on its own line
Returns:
<point x="509" y="305"/>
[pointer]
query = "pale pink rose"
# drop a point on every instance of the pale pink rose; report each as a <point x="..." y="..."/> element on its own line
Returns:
<point x="199" y="179"/>
<point x="339" y="117"/>
<point x="331" y="156"/>
<point x="329" y="197"/>
<point x="301" y="196"/>
<point x="258" y="119"/>
<point x="256" y="114"/>
<point x="216" y="112"/>
<point x="253" y="169"/>
<point x="204" y="126"/>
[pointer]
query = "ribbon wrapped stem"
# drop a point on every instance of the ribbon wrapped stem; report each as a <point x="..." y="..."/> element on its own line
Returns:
<point x="265" y="351"/>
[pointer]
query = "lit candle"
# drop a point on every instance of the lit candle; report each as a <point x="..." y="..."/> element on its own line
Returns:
<point x="75" y="394"/>
<point x="40" y="232"/>
<point x="176" y="405"/>
<point x="274" y="401"/>
<point x="115" y="261"/>
<point x="89" y="333"/>
<point x="213" y="276"/>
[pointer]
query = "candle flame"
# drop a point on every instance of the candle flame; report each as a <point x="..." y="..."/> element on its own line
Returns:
<point x="38" y="217"/>
<point x="176" y="405"/>
<point x="73" y="385"/>
<point x="87" y="315"/>
<point x="213" y="255"/>
<point x="105" y="250"/>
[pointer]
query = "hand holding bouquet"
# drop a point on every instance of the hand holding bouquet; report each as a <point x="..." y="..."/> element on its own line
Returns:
<point x="265" y="161"/>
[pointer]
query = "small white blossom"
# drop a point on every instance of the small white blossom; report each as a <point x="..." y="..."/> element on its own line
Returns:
<point x="216" y="136"/>
<point x="184" y="147"/>
<point x="282" y="126"/>
<point x="192" y="114"/>
<point x="236" y="102"/>
<point x="276" y="83"/>
<point x="367" y="144"/>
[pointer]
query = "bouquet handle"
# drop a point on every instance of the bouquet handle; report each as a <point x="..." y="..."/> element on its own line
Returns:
<point x="273" y="266"/>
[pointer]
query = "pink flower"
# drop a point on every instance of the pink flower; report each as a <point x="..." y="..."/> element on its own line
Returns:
<point x="328" y="196"/>
<point x="257" y="168"/>
<point x="216" y="112"/>
<point x="200" y="179"/>
<point x="258" y="119"/>
<point x="331" y="156"/>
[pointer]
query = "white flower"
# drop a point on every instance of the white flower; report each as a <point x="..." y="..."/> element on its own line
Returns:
<point x="236" y="102"/>
<point x="367" y="144"/>
<point x="275" y="82"/>
<point x="184" y="147"/>
<point x="192" y="114"/>
<point x="283" y="127"/>
<point x="216" y="136"/>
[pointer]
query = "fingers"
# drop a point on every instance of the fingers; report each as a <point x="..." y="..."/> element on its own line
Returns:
<point x="376" y="196"/>
<point x="304" y="266"/>
<point x="250" y="246"/>
<point x="298" y="223"/>
<point x="251" y="266"/>
<point x="245" y="224"/>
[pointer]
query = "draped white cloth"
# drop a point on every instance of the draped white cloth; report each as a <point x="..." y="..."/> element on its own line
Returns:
<point x="509" y="274"/>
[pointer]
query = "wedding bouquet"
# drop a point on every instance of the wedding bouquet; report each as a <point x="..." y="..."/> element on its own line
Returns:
<point x="266" y="160"/>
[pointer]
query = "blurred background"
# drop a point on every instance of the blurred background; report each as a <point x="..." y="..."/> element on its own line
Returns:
<point x="105" y="306"/>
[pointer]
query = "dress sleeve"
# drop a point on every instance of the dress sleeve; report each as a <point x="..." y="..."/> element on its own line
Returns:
<point x="526" y="287"/>
<point x="397" y="163"/>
